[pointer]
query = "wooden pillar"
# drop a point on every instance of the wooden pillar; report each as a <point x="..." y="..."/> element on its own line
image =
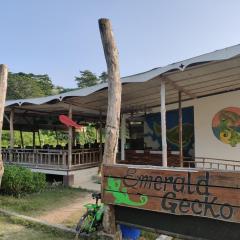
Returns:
<point x="163" y="124"/>
<point x="56" y="133"/>
<point x="34" y="138"/>
<point x="70" y="139"/>
<point x="100" y="138"/>
<point x="180" y="128"/>
<point x="73" y="137"/>
<point x="3" y="91"/>
<point x="123" y="136"/>
<point x="11" y="129"/>
<point x="21" y="136"/>
<point x="114" y="92"/>
<point x="113" y="111"/>
<point x="39" y="139"/>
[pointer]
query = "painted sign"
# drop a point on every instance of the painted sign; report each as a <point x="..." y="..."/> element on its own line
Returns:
<point x="209" y="194"/>
<point x="226" y="126"/>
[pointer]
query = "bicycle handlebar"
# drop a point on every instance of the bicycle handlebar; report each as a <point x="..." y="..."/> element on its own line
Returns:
<point x="96" y="196"/>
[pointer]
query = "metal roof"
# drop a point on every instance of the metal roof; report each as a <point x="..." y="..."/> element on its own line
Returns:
<point x="207" y="74"/>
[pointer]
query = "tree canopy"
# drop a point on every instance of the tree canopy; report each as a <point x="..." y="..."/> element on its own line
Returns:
<point x="23" y="85"/>
<point x="88" y="79"/>
<point x="29" y="85"/>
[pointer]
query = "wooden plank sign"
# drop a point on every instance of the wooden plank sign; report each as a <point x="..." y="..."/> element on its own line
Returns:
<point x="211" y="194"/>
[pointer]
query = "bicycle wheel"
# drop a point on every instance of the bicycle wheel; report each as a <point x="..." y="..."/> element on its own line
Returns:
<point x="85" y="224"/>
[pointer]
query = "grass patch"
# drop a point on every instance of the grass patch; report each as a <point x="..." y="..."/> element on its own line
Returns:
<point x="147" y="235"/>
<point x="39" y="203"/>
<point x="17" y="229"/>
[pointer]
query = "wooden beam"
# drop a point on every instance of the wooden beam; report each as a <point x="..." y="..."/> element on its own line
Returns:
<point x="34" y="139"/>
<point x="39" y="138"/>
<point x="73" y="137"/>
<point x="113" y="112"/>
<point x="179" y="88"/>
<point x="101" y="140"/>
<point x="163" y="124"/>
<point x="21" y="136"/>
<point x="123" y="136"/>
<point x="180" y="129"/>
<point x="3" y="91"/>
<point x="11" y="129"/>
<point x="70" y="139"/>
<point x="56" y="134"/>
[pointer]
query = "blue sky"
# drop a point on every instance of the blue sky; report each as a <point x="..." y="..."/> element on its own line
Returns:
<point x="61" y="37"/>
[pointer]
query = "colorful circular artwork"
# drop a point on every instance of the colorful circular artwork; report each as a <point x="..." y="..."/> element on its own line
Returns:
<point x="226" y="125"/>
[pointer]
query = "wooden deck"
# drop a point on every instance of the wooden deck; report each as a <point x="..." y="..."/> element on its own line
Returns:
<point x="51" y="158"/>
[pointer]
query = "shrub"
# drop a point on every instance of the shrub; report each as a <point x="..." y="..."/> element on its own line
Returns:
<point x="19" y="181"/>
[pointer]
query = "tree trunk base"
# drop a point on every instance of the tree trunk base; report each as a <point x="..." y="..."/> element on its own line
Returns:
<point x="109" y="226"/>
<point x="1" y="169"/>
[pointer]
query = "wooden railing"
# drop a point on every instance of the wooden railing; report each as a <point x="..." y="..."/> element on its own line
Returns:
<point x="212" y="163"/>
<point x="50" y="158"/>
<point x="85" y="157"/>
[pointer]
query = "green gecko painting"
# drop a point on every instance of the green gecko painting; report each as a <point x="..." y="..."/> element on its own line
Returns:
<point x="121" y="196"/>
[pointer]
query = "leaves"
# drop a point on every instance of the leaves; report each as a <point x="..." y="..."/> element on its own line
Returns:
<point x="23" y="85"/>
<point x="88" y="79"/>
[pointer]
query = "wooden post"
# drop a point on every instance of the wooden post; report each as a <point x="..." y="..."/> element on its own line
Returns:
<point x="70" y="139"/>
<point x="113" y="112"/>
<point x="11" y="129"/>
<point x="180" y="128"/>
<point x="123" y="136"/>
<point x="39" y="138"/>
<point x="56" y="133"/>
<point x="21" y="136"/>
<point x="34" y="138"/>
<point x="100" y="136"/>
<point x="3" y="91"/>
<point x="73" y="137"/>
<point x="163" y="124"/>
<point x="11" y="135"/>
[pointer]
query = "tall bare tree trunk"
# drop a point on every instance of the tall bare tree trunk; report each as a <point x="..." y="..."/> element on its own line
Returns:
<point x="114" y="108"/>
<point x="3" y="91"/>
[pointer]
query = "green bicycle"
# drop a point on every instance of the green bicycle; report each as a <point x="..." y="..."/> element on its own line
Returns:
<point x="91" y="221"/>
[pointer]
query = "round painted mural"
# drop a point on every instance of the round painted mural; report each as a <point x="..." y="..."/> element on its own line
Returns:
<point x="226" y="126"/>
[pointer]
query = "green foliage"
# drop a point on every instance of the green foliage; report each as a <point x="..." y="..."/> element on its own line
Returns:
<point x="19" y="180"/>
<point x="29" y="85"/>
<point x="88" y="79"/>
<point x="23" y="85"/>
<point x="148" y="235"/>
<point x="49" y="137"/>
<point x="103" y="77"/>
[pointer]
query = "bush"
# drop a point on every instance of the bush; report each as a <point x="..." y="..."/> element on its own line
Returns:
<point x="19" y="181"/>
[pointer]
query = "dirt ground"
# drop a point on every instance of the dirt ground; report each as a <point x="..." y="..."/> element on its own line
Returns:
<point x="69" y="214"/>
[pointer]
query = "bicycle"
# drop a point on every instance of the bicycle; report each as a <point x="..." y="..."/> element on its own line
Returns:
<point x="91" y="221"/>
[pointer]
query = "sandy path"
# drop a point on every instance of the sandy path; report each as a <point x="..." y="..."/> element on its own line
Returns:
<point x="62" y="214"/>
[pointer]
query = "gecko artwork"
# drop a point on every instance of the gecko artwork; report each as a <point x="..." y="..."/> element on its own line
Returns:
<point x="121" y="195"/>
<point x="198" y="193"/>
<point x="153" y="133"/>
<point x="226" y="126"/>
